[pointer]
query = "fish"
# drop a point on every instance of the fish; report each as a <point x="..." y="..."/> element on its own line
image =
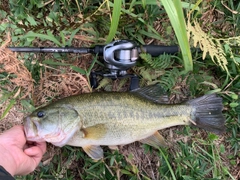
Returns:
<point x="98" y="119"/>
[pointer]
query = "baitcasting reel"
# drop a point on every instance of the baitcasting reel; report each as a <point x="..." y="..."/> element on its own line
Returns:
<point x="119" y="56"/>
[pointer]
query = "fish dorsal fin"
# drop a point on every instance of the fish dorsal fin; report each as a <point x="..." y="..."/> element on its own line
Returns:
<point x="95" y="152"/>
<point x="155" y="140"/>
<point x="155" y="93"/>
<point x="94" y="132"/>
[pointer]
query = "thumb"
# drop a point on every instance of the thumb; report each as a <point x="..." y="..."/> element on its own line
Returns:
<point x="31" y="161"/>
<point x="33" y="151"/>
<point x="38" y="149"/>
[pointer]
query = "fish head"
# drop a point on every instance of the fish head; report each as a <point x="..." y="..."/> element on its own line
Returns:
<point x="54" y="124"/>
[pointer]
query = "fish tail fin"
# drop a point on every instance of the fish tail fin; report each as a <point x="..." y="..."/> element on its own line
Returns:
<point x="207" y="113"/>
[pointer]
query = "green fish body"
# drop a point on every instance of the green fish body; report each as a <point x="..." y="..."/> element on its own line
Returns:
<point x="118" y="118"/>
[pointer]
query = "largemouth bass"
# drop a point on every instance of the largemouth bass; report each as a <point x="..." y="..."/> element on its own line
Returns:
<point x="119" y="118"/>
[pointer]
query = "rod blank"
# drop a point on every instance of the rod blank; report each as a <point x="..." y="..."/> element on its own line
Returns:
<point x="51" y="49"/>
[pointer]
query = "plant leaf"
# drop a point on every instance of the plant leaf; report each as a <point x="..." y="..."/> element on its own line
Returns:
<point x="9" y="106"/>
<point x="79" y="70"/>
<point x="50" y="37"/>
<point x="115" y="20"/>
<point x="175" y="14"/>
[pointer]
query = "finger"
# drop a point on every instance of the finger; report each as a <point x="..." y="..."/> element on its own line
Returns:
<point x="32" y="160"/>
<point x="34" y="151"/>
<point x="15" y="130"/>
<point x="19" y="127"/>
<point x="15" y="135"/>
<point x="35" y="155"/>
<point x="20" y="134"/>
<point x="42" y="146"/>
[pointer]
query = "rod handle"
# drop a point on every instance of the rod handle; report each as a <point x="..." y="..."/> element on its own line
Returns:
<point x="156" y="50"/>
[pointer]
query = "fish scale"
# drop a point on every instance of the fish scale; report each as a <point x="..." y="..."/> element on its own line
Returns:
<point x="113" y="118"/>
<point x="127" y="105"/>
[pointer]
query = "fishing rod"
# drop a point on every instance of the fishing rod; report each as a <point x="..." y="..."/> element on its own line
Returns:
<point x="118" y="56"/>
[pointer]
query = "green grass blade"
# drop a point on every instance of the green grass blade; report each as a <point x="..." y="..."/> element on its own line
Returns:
<point x="91" y="66"/>
<point x="27" y="105"/>
<point x="185" y="5"/>
<point x="62" y="37"/>
<point x="8" y="108"/>
<point x="115" y="20"/>
<point x="156" y="34"/>
<point x="50" y="62"/>
<point x="144" y="3"/>
<point x="175" y="14"/>
<point x="49" y="37"/>
<point x="79" y="70"/>
<point x="69" y="42"/>
<point x="168" y="164"/>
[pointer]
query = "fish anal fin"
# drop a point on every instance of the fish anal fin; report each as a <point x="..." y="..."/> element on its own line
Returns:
<point x="94" y="132"/>
<point x="154" y="140"/>
<point x="95" y="152"/>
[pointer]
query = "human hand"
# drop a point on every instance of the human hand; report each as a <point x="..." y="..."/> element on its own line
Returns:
<point x="18" y="156"/>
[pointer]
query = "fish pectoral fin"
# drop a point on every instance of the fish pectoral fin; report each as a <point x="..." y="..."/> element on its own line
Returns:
<point x="154" y="140"/>
<point x="95" y="152"/>
<point x="94" y="132"/>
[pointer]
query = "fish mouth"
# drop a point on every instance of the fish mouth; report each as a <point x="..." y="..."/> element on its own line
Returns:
<point x="31" y="131"/>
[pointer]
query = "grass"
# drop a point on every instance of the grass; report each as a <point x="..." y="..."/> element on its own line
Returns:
<point x="192" y="153"/>
<point x="175" y="13"/>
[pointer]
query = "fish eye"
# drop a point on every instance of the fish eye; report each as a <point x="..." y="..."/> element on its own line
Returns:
<point x="40" y="114"/>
